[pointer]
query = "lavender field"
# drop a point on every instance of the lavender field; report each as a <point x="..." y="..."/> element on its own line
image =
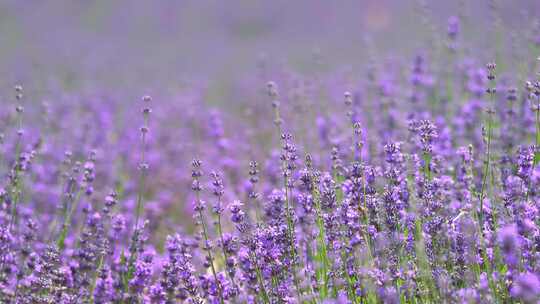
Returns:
<point x="270" y="152"/>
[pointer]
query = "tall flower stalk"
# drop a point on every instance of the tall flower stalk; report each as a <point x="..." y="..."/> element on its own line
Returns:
<point x="534" y="95"/>
<point x="139" y="208"/>
<point x="218" y="191"/>
<point x="15" y="174"/>
<point x="491" y="90"/>
<point x="88" y="176"/>
<point x="488" y="137"/>
<point x="199" y="208"/>
<point x="287" y="152"/>
<point x="143" y="165"/>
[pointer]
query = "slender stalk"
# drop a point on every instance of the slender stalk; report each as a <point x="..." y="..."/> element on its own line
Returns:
<point x="260" y="278"/>
<point x="534" y="90"/>
<point x="220" y="232"/>
<point x="253" y="254"/>
<point x="537" y="142"/>
<point x="60" y="243"/>
<point x="322" y="249"/>
<point x="2" y="152"/>
<point x="285" y="184"/>
<point x="427" y="165"/>
<point x="64" y="179"/>
<point x="420" y="248"/>
<point x="253" y="195"/>
<point x="362" y="203"/>
<point x="491" y="91"/>
<point x="143" y="167"/>
<point x="485" y="171"/>
<point x="273" y="93"/>
<point x="94" y="279"/>
<point x="206" y="244"/>
<point x="142" y="177"/>
<point x="102" y="254"/>
<point x="16" y="190"/>
<point x="487" y="163"/>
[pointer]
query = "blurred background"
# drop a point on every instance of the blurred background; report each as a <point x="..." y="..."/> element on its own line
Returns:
<point x="117" y="44"/>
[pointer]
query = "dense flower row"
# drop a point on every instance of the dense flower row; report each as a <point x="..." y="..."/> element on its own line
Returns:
<point x="418" y="184"/>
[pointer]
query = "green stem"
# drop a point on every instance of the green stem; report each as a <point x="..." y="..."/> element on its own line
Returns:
<point x="427" y="165"/>
<point x="142" y="176"/>
<point x="208" y="250"/>
<point x="94" y="279"/>
<point x="322" y="255"/>
<point x="290" y="223"/>
<point x="537" y="146"/>
<point x="60" y="243"/>
<point x="483" y="190"/>
<point x="16" y="190"/>
<point x="210" y="258"/>
<point x="140" y="200"/>
<point x="260" y="278"/>
<point x="225" y="255"/>
<point x="486" y="170"/>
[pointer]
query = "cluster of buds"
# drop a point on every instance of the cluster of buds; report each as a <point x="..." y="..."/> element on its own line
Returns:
<point x="18" y="92"/>
<point x="533" y="89"/>
<point x="491" y="77"/>
<point x="273" y="93"/>
<point x="348" y="103"/>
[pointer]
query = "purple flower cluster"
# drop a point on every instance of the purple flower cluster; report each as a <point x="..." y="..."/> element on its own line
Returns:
<point x="422" y="186"/>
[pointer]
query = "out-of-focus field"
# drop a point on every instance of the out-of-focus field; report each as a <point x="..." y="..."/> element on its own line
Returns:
<point x="163" y="43"/>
